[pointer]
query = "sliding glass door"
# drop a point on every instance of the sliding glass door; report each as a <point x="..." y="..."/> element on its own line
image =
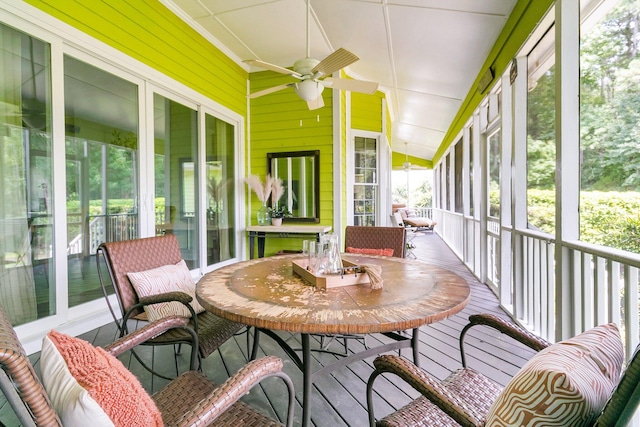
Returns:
<point x="101" y="127"/>
<point x="27" y="287"/>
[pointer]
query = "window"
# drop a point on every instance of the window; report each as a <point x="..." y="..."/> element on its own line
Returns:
<point x="447" y="181"/>
<point x="541" y="135"/>
<point x="101" y="114"/>
<point x="175" y="152"/>
<point x="471" y="171"/>
<point x="365" y="188"/>
<point x="220" y="188"/>
<point x="458" y="175"/>
<point x="26" y="206"/>
<point x="610" y="124"/>
<point x="493" y="167"/>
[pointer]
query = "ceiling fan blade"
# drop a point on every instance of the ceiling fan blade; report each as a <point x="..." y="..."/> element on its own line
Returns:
<point x="272" y="67"/>
<point x="316" y="103"/>
<point x="334" y="62"/>
<point x="269" y="90"/>
<point x="352" y="85"/>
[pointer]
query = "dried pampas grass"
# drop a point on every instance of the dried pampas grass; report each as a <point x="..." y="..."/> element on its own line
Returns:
<point x="263" y="191"/>
<point x="277" y="190"/>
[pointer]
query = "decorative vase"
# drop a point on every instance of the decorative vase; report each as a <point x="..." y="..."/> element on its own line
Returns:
<point x="276" y="221"/>
<point x="263" y="215"/>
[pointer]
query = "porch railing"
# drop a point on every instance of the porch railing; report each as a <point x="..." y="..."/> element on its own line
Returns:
<point x="602" y="282"/>
<point x="102" y="228"/>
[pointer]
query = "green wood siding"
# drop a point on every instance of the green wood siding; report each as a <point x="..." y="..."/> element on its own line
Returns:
<point x="366" y="112"/>
<point x="152" y="34"/>
<point x="281" y="122"/>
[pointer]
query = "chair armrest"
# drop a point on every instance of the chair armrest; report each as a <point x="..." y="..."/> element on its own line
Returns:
<point x="238" y="385"/>
<point x="510" y="329"/>
<point x="175" y="296"/>
<point x="148" y="332"/>
<point x="429" y="387"/>
<point x="182" y="297"/>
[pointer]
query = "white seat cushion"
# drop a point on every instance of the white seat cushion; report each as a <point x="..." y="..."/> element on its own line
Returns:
<point x="168" y="278"/>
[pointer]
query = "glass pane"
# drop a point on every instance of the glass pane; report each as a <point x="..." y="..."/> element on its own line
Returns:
<point x="366" y="168"/>
<point x="101" y="125"/>
<point x="541" y="138"/>
<point x="220" y="140"/>
<point x="458" y="176"/>
<point x="610" y="127"/>
<point x="493" y="158"/>
<point x="471" y="170"/>
<point x="27" y="288"/>
<point x="175" y="153"/>
<point x="447" y="180"/>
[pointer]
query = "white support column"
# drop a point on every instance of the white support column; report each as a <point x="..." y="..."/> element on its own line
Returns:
<point x="466" y="195"/>
<point x="339" y="184"/>
<point x="483" y="194"/>
<point x="478" y="194"/>
<point x="568" y="306"/>
<point x="506" y="201"/>
<point x="519" y="187"/>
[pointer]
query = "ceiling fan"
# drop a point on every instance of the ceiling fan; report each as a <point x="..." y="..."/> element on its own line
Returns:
<point x="312" y="72"/>
<point x="407" y="166"/>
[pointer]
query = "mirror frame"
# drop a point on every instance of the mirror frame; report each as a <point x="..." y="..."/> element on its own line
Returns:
<point x="316" y="177"/>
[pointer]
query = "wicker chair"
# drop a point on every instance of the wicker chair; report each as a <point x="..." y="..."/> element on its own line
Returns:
<point x="189" y="400"/>
<point x="144" y="254"/>
<point x="375" y="238"/>
<point x="367" y="237"/>
<point x="465" y="397"/>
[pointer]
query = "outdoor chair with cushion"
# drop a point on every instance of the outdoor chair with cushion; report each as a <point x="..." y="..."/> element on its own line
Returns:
<point x="575" y="383"/>
<point x="411" y="219"/>
<point x="369" y="240"/>
<point x="409" y="246"/>
<point x="151" y="280"/>
<point x="84" y="385"/>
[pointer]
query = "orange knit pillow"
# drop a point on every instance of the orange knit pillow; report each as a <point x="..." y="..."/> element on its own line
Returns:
<point x="90" y="387"/>
<point x="369" y="251"/>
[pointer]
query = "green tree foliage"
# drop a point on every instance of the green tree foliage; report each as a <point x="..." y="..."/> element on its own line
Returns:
<point x="609" y="134"/>
<point x="420" y="196"/>
<point x="541" y="157"/>
<point x="608" y="218"/>
<point x="610" y="101"/>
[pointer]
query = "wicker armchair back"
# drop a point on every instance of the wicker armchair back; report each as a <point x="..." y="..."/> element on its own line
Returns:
<point x="375" y="238"/>
<point x="137" y="255"/>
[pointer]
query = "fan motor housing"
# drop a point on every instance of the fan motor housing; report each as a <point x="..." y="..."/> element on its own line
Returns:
<point x="304" y="66"/>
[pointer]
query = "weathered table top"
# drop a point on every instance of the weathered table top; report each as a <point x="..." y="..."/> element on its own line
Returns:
<point x="267" y="294"/>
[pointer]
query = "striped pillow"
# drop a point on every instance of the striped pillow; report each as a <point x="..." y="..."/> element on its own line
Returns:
<point x="566" y="384"/>
<point x="168" y="278"/>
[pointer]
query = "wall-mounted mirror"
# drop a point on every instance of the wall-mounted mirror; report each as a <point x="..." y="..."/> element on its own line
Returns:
<point x="300" y="176"/>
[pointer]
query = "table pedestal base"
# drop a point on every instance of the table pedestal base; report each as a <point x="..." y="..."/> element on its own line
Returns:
<point x="304" y="364"/>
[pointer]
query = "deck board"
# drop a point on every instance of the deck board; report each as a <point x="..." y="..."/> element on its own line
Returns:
<point x="339" y="398"/>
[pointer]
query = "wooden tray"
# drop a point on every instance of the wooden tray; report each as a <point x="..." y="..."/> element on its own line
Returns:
<point x="325" y="281"/>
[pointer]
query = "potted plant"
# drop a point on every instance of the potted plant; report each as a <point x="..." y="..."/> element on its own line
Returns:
<point x="278" y="213"/>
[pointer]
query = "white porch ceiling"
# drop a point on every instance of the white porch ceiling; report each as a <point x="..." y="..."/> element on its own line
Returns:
<point x="425" y="54"/>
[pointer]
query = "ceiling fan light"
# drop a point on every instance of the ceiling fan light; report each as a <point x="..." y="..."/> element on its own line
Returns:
<point x="309" y="90"/>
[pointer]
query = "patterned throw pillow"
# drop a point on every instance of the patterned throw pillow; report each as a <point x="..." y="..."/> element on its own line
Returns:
<point x="168" y="278"/>
<point x="566" y="384"/>
<point x="368" y="251"/>
<point x="89" y="387"/>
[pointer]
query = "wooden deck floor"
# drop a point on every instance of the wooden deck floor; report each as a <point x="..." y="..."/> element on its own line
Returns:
<point x="339" y="398"/>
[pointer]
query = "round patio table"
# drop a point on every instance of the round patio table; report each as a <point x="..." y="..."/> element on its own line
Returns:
<point x="267" y="294"/>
